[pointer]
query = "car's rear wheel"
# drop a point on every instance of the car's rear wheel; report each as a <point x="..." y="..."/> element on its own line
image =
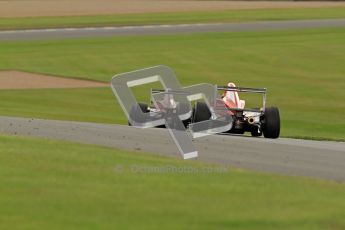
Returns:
<point x="144" y="107"/>
<point x="271" y="123"/>
<point x="201" y="112"/>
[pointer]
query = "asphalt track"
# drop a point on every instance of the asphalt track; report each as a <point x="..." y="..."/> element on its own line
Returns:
<point x="166" y="29"/>
<point x="317" y="159"/>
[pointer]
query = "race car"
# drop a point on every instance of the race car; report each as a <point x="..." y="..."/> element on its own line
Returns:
<point x="258" y="121"/>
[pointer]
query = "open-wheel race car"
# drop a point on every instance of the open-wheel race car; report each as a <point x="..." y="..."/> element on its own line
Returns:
<point x="258" y="121"/>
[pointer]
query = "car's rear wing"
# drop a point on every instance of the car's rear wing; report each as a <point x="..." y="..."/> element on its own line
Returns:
<point x="262" y="91"/>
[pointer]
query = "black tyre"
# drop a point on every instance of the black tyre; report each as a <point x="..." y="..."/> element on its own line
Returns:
<point x="201" y="112"/>
<point x="271" y="125"/>
<point x="142" y="106"/>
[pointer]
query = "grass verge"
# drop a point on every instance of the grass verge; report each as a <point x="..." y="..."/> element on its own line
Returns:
<point x="49" y="184"/>
<point x="171" y="18"/>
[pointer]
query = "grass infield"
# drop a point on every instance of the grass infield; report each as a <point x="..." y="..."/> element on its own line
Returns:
<point x="302" y="69"/>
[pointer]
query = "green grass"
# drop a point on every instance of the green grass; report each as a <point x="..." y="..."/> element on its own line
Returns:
<point x="59" y="185"/>
<point x="303" y="71"/>
<point x="96" y="105"/>
<point x="172" y="18"/>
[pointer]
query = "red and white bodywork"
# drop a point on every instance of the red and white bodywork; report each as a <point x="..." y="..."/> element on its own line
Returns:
<point x="231" y="98"/>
